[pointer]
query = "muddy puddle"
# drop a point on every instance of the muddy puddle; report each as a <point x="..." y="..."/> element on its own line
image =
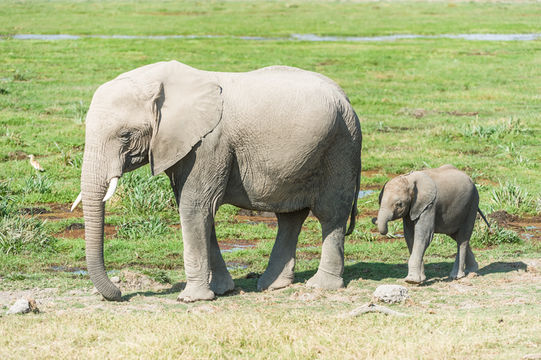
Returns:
<point x="292" y="37"/>
<point x="52" y="211"/>
<point x="233" y="245"/>
<point x="77" y="231"/>
<point x="529" y="228"/>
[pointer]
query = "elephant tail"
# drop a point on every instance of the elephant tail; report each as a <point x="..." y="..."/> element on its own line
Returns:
<point x="483" y="216"/>
<point x="354" y="207"/>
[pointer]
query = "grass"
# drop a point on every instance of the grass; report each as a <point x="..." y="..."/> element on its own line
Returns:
<point x="422" y="102"/>
<point x="19" y="234"/>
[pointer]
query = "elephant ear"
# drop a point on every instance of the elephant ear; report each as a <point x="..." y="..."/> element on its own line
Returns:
<point x="424" y="193"/>
<point x="187" y="107"/>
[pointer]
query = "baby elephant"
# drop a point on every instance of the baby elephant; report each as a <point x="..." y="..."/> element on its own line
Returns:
<point x="442" y="200"/>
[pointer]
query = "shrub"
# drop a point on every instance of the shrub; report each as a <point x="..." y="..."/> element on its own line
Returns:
<point x="7" y="199"/>
<point x="512" y="198"/>
<point x="497" y="235"/>
<point x="493" y="131"/>
<point x="39" y="183"/>
<point x="144" y="193"/>
<point x="79" y="110"/>
<point x="70" y="157"/>
<point x="142" y="227"/>
<point x="18" y="234"/>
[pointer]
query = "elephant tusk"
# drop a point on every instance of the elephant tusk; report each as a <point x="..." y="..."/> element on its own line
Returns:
<point x="111" y="190"/>
<point x="77" y="201"/>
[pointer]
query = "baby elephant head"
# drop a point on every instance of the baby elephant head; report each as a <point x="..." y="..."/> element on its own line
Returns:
<point x="406" y="195"/>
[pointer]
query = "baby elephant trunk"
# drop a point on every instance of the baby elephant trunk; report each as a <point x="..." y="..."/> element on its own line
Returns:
<point x="383" y="218"/>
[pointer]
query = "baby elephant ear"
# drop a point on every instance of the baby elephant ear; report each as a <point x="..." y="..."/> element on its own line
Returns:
<point x="424" y="193"/>
<point x="187" y="108"/>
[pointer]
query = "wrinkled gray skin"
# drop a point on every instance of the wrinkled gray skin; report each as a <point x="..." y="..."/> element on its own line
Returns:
<point x="443" y="201"/>
<point x="277" y="139"/>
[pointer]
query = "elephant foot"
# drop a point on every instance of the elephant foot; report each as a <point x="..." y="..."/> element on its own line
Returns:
<point x="269" y="282"/>
<point x="195" y="293"/>
<point x="325" y="280"/>
<point x="221" y="283"/>
<point x="472" y="268"/>
<point x="455" y="275"/>
<point x="415" y="279"/>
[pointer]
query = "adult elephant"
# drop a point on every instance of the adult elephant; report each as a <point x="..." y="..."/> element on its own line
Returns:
<point x="276" y="139"/>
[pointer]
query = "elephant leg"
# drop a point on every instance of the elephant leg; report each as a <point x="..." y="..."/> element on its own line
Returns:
<point x="279" y="272"/>
<point x="220" y="278"/>
<point x="196" y="233"/>
<point x="471" y="263"/>
<point x="460" y="261"/>
<point x="331" y="266"/>
<point x="424" y="232"/>
<point x="409" y="235"/>
<point x="463" y="249"/>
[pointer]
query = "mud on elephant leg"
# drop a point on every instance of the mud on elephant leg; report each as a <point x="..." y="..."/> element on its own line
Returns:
<point x="331" y="266"/>
<point x="279" y="272"/>
<point x="220" y="278"/>
<point x="196" y="234"/>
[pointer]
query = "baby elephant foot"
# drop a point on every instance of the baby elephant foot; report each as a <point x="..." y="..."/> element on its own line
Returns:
<point x="194" y="293"/>
<point x="325" y="280"/>
<point x="221" y="283"/>
<point x="415" y="278"/>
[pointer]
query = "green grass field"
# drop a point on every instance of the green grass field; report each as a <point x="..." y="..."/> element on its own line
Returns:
<point x="422" y="103"/>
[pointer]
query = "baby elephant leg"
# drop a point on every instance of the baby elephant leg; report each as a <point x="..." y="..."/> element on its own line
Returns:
<point x="465" y="260"/>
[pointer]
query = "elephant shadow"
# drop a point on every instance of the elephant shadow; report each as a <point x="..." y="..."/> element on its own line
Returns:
<point x="174" y="289"/>
<point x="435" y="272"/>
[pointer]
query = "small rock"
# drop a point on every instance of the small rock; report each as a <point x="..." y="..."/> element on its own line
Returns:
<point x="391" y="293"/>
<point x="23" y="306"/>
<point x="115" y="280"/>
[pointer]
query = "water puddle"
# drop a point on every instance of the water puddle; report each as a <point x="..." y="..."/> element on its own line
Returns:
<point x="77" y="271"/>
<point x="229" y="248"/>
<point x="235" y="265"/>
<point x="292" y="37"/>
<point x="469" y="37"/>
<point x="365" y="193"/>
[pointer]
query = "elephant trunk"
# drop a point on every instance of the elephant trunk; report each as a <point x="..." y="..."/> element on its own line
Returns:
<point x="93" y="188"/>
<point x="383" y="218"/>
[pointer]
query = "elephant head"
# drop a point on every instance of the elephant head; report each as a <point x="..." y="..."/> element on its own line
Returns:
<point x="406" y="195"/>
<point x="154" y="114"/>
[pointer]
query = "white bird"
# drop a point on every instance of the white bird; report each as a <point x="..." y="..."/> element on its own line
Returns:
<point x="35" y="164"/>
